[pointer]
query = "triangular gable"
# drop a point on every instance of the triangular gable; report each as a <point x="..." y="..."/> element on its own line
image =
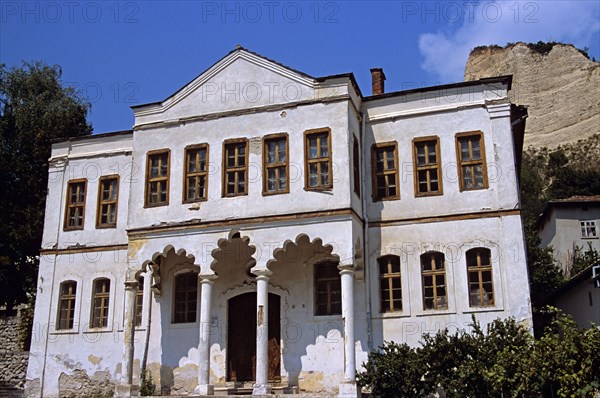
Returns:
<point x="240" y="80"/>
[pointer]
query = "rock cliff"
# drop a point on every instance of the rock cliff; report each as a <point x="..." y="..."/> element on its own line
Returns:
<point x="560" y="86"/>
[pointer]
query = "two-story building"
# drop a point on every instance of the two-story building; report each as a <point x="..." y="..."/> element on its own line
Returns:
<point x="570" y="227"/>
<point x="262" y="229"/>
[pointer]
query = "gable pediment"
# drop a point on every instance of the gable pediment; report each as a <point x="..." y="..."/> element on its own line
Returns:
<point x="241" y="80"/>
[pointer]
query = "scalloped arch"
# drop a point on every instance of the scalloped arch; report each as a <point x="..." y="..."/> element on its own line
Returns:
<point x="302" y="251"/>
<point x="234" y="248"/>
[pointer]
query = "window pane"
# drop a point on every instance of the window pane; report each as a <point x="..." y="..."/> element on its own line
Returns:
<point x="281" y="150"/>
<point x="420" y="154"/>
<point x="324" y="173"/>
<point x="324" y="146"/>
<point x="271" y="151"/>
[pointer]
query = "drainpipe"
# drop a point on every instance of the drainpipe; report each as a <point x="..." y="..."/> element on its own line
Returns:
<point x="148" y="305"/>
<point x="363" y="134"/>
<point x="47" y="337"/>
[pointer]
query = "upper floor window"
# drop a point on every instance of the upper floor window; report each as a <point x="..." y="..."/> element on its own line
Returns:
<point x="235" y="167"/>
<point x="433" y="268"/>
<point x="100" y="302"/>
<point x="588" y="229"/>
<point x="390" y="283"/>
<point x="385" y="171"/>
<point x="328" y="289"/>
<point x="108" y="196"/>
<point x="481" y="285"/>
<point x="275" y="164"/>
<point x="185" y="297"/>
<point x="157" y="178"/>
<point x="472" y="170"/>
<point x="196" y="173"/>
<point x="66" y="305"/>
<point x="317" y="149"/>
<point x="426" y="155"/>
<point x="356" y="165"/>
<point x="75" y="211"/>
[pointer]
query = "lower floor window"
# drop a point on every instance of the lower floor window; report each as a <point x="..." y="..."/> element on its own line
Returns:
<point x="390" y="283"/>
<point x="186" y="297"/>
<point x="435" y="296"/>
<point x="100" y="300"/>
<point x="481" y="285"/>
<point x="66" y="310"/>
<point x="328" y="289"/>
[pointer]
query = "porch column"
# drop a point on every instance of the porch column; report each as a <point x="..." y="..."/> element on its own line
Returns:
<point x="262" y="385"/>
<point x="348" y="388"/>
<point x="206" y="285"/>
<point x="126" y="389"/>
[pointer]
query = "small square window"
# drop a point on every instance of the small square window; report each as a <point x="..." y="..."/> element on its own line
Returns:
<point x="588" y="229"/>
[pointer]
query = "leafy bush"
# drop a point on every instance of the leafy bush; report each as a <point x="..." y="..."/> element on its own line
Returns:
<point x="504" y="361"/>
<point x="395" y="372"/>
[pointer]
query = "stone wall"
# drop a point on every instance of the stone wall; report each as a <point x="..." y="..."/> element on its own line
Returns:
<point x="13" y="360"/>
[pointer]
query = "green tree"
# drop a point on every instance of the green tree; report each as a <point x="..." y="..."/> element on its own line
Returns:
<point x="35" y="109"/>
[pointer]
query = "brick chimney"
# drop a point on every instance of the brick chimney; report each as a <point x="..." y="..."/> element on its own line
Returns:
<point x="377" y="81"/>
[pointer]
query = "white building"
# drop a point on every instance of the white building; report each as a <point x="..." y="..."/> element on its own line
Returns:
<point x="570" y="227"/>
<point x="282" y="226"/>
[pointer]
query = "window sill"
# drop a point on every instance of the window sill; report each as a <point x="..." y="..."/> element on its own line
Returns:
<point x="64" y="331"/>
<point x="590" y="237"/>
<point x="73" y="229"/>
<point x="320" y="189"/>
<point x="106" y="226"/>
<point x="483" y="309"/>
<point x="98" y="330"/>
<point x="392" y="315"/>
<point x="436" y="312"/>
<point x="147" y="206"/>
<point x="183" y="325"/>
<point x="426" y="195"/>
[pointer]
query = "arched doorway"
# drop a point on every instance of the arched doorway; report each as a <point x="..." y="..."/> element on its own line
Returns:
<point x="241" y="338"/>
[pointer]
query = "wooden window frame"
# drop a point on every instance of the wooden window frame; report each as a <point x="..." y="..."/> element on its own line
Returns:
<point x="437" y="166"/>
<point x="318" y="161"/>
<point x="187" y="313"/>
<point x="149" y="180"/>
<point x="479" y="269"/>
<point x="374" y="148"/>
<point x="387" y="278"/>
<point x="356" y="164"/>
<point x="138" y="314"/>
<point x="197" y="174"/>
<point x="108" y="202"/>
<point x="103" y="298"/>
<point x="434" y="273"/>
<point x="69" y="205"/>
<point x="234" y="169"/>
<point x="276" y="165"/>
<point x="330" y="283"/>
<point x="71" y="301"/>
<point x="462" y="163"/>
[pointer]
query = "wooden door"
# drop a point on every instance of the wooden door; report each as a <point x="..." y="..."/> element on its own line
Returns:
<point x="241" y="338"/>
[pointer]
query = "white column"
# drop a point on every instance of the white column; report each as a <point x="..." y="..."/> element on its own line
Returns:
<point x="125" y="389"/>
<point x="262" y="385"/>
<point x="348" y="388"/>
<point x="206" y="285"/>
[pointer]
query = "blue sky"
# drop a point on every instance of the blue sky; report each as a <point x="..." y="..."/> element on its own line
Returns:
<point x="122" y="53"/>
